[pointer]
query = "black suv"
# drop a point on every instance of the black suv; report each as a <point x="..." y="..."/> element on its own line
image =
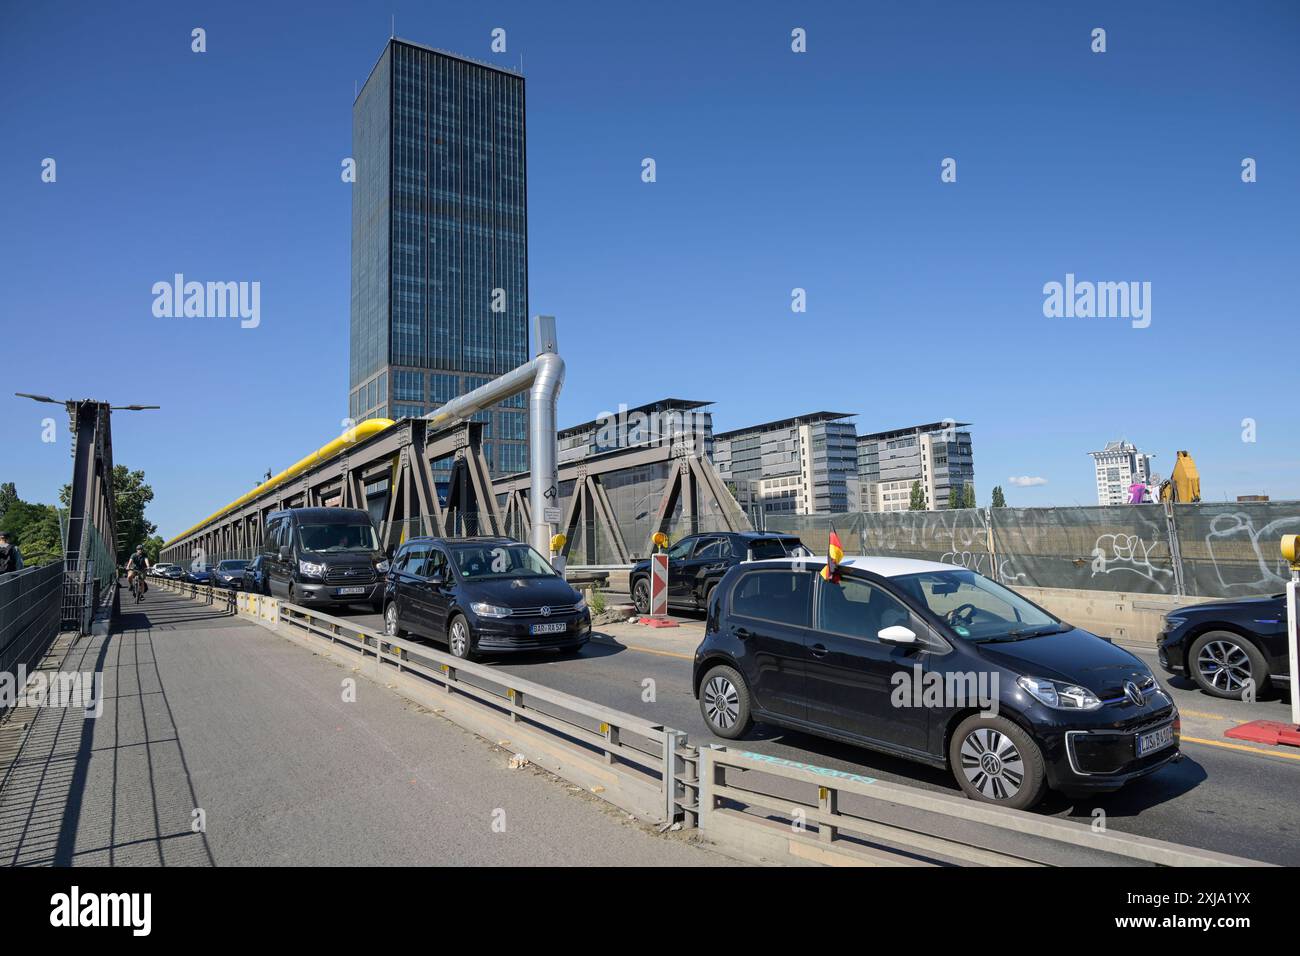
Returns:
<point x="934" y="663"/>
<point x="697" y="563"/>
<point x="482" y="595"/>
<point x="1228" y="646"/>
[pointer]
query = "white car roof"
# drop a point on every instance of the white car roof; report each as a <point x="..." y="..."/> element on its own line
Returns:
<point x="885" y="567"/>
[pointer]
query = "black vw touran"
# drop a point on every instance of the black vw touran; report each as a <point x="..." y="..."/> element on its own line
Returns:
<point x="934" y="663"/>
<point x="482" y="595"/>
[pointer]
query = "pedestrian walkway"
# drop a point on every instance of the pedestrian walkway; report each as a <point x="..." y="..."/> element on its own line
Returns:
<point x="220" y="743"/>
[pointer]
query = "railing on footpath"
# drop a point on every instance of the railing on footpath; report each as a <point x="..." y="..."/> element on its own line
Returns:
<point x="744" y="802"/>
<point x="30" y="613"/>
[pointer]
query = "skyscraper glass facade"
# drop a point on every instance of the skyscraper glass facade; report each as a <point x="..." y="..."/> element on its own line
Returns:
<point x="439" y="241"/>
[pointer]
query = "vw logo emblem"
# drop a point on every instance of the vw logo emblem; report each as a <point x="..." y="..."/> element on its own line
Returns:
<point x="1133" y="693"/>
<point x="546" y="611"/>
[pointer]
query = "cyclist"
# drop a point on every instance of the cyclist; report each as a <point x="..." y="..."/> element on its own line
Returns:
<point x="136" y="566"/>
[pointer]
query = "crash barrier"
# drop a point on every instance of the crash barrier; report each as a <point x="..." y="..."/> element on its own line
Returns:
<point x="1208" y="549"/>
<point x="743" y="802"/>
<point x="30" y="612"/>
<point x="787" y="811"/>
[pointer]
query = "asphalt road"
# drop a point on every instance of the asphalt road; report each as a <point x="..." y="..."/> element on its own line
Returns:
<point x="1223" y="795"/>
<point x="209" y="713"/>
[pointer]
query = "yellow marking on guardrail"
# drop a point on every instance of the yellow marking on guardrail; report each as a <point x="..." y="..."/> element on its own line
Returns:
<point x="604" y="728"/>
<point x="1228" y="746"/>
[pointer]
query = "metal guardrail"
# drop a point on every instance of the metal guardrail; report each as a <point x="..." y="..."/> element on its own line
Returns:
<point x="30" y="611"/>
<point x="844" y="836"/>
<point x="653" y="772"/>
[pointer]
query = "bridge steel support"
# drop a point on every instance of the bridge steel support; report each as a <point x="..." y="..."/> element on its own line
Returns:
<point x="90" y="552"/>
<point x="693" y="489"/>
<point x="389" y="474"/>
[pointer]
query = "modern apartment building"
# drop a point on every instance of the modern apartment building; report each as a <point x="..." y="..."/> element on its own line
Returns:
<point x="670" y="420"/>
<point x="938" y="455"/>
<point x="439" y="241"/>
<point x="803" y="465"/>
<point x="1119" y="465"/>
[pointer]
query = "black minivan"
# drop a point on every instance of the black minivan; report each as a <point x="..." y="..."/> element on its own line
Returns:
<point x="934" y="663"/>
<point x="323" y="557"/>
<point x="483" y="595"/>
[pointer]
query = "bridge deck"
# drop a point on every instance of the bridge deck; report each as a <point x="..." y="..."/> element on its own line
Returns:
<point x="204" y="711"/>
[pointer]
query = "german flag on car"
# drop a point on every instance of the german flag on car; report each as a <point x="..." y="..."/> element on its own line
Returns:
<point x="834" y="555"/>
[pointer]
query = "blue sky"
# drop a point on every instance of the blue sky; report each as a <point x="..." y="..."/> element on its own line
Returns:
<point x="775" y="170"/>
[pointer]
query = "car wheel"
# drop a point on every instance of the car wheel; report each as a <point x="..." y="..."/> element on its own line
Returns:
<point x="392" y="627"/>
<point x="1222" y="662"/>
<point x="995" y="761"/>
<point x="724" y="701"/>
<point x="459" y="639"/>
<point x="641" y="596"/>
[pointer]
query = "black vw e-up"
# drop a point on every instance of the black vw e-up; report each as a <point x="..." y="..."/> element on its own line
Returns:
<point x="934" y="663"/>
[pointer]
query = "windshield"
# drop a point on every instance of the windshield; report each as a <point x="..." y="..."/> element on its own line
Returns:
<point x="500" y="561"/>
<point x="232" y="565"/>
<point x="976" y="608"/>
<point x="343" y="536"/>
<point x="764" y="548"/>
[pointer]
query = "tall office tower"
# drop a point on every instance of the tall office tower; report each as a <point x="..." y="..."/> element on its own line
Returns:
<point x="439" y="241"/>
<point x="804" y="465"/>
<point x="937" y="455"/>
<point x="1119" y="465"/>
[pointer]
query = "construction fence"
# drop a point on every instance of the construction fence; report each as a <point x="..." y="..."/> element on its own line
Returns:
<point x="1225" y="550"/>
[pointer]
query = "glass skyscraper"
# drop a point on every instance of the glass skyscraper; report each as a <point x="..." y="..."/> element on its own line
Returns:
<point x="439" y="241"/>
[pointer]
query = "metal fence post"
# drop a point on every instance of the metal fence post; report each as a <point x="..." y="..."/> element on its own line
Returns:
<point x="1175" y="549"/>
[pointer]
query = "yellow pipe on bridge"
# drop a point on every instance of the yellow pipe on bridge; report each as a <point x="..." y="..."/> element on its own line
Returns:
<point x="371" y="426"/>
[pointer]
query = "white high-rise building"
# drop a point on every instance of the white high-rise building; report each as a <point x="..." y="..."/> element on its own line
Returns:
<point x="1119" y="465"/>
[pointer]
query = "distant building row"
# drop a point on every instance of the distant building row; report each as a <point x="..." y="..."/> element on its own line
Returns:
<point x="809" y="464"/>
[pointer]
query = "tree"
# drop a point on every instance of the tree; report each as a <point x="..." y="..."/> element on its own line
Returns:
<point x="33" y="527"/>
<point x="999" y="499"/>
<point x="968" y="496"/>
<point x="130" y="496"/>
<point x="918" y="498"/>
<point x="954" y="497"/>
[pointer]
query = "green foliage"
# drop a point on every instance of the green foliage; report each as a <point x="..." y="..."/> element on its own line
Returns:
<point x="968" y="496"/>
<point x="597" y="601"/>
<point x="954" y="497"/>
<point x="999" y="499"/>
<point x="917" y="501"/>
<point x="33" y="527"/>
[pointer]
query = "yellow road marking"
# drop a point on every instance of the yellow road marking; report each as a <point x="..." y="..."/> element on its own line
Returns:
<point x="651" y="650"/>
<point x="1230" y="746"/>
<point x="1202" y="714"/>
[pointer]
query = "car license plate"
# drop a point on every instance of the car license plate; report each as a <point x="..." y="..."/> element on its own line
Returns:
<point x="342" y="591"/>
<point x="556" y="628"/>
<point x="1155" y="740"/>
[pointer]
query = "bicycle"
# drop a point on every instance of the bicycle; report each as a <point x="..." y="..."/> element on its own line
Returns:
<point x="138" y="587"/>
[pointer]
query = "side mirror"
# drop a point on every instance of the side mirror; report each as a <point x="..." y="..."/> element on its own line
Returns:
<point x="436" y="580"/>
<point x="897" y="634"/>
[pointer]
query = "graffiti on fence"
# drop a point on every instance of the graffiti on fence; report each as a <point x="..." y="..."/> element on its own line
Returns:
<point x="1128" y="553"/>
<point x="1237" y="527"/>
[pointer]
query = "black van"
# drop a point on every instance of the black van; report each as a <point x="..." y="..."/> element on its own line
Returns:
<point x="324" y="557"/>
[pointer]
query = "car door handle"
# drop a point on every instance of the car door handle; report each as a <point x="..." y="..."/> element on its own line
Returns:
<point x="819" y="650"/>
<point x="743" y="633"/>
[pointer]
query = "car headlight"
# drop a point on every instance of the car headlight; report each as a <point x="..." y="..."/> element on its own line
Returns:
<point x="311" y="570"/>
<point x="1059" y="695"/>
<point x="381" y="566"/>
<point x="581" y="605"/>
<point x="483" y="609"/>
